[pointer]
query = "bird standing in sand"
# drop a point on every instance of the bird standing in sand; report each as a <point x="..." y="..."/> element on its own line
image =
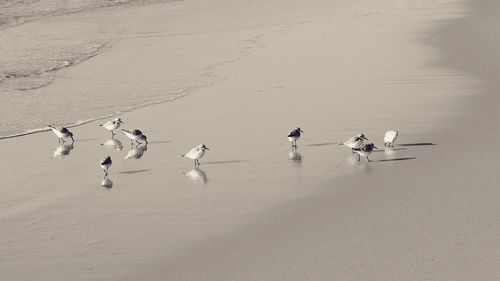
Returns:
<point x="105" y="164"/>
<point x="365" y="150"/>
<point x="135" y="135"/>
<point x="112" y="125"/>
<point x="355" y="142"/>
<point x="196" y="153"/>
<point x="390" y="138"/>
<point x="62" y="133"/>
<point x="294" y="136"/>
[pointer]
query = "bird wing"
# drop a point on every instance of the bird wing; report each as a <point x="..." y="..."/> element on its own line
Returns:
<point x="192" y="152"/>
<point x="390" y="136"/>
<point x="294" y="133"/>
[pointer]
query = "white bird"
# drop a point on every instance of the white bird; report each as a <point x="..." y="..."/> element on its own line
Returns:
<point x="105" y="164"/>
<point x="355" y="142"/>
<point x="196" y="153"/>
<point x="390" y="138"/>
<point x="365" y="150"/>
<point x="135" y="135"/>
<point x="294" y="136"/>
<point x="62" y="133"/>
<point x="112" y="125"/>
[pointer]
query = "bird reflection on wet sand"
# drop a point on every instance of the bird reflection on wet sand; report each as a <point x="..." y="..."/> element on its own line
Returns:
<point x="295" y="156"/>
<point x="136" y="152"/>
<point x="63" y="150"/>
<point x="197" y="175"/>
<point x="107" y="182"/>
<point x="113" y="144"/>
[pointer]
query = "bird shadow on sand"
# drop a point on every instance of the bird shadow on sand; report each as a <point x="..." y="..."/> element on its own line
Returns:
<point x="389" y="149"/>
<point x="322" y="144"/>
<point x="135" y="171"/>
<point x="397" y="159"/>
<point x="225" y="162"/>
<point x="161" y="141"/>
<point x="416" y="144"/>
<point x="80" y="140"/>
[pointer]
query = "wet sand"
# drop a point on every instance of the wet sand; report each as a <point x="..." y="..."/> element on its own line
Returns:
<point x="420" y="211"/>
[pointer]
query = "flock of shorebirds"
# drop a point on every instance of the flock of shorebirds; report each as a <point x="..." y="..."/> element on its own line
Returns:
<point x="358" y="144"/>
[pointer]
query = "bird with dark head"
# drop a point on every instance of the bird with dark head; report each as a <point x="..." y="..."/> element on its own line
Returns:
<point x="135" y="135"/>
<point x="62" y="133"/>
<point x="105" y="164"/>
<point x="365" y="150"/>
<point x="294" y="135"/>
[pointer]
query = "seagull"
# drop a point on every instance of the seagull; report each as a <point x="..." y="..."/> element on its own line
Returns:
<point x="355" y="142"/>
<point x="62" y="133"/>
<point x="105" y="164"/>
<point x="112" y="125"/>
<point x="135" y="135"/>
<point x="390" y="137"/>
<point x="365" y="150"/>
<point x="294" y="136"/>
<point x="196" y="153"/>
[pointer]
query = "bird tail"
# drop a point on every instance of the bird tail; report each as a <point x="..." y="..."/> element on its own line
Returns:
<point x="341" y="144"/>
<point x="183" y="155"/>
<point x="100" y="125"/>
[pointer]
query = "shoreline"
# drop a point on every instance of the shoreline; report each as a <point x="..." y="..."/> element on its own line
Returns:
<point x="224" y="221"/>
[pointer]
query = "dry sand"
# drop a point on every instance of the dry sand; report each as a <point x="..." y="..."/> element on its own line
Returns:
<point x="418" y="212"/>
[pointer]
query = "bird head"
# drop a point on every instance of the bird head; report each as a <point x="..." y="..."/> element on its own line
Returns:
<point x="203" y="147"/>
<point x="299" y="130"/>
<point x="362" y="136"/>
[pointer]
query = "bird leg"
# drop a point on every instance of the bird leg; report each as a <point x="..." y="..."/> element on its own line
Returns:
<point x="359" y="157"/>
<point x="105" y="172"/>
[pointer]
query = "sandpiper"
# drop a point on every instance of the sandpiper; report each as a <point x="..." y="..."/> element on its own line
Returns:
<point x="62" y="133"/>
<point x="294" y="136"/>
<point x="135" y="135"/>
<point x="196" y="153"/>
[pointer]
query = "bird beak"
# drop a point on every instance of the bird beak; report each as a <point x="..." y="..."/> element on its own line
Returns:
<point x="365" y="138"/>
<point x="301" y="131"/>
<point x="207" y="148"/>
<point x="375" y="147"/>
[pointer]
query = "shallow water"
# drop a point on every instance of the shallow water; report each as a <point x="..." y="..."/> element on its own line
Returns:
<point x="40" y="37"/>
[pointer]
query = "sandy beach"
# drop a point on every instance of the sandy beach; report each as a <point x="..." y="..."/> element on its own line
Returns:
<point x="243" y="75"/>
